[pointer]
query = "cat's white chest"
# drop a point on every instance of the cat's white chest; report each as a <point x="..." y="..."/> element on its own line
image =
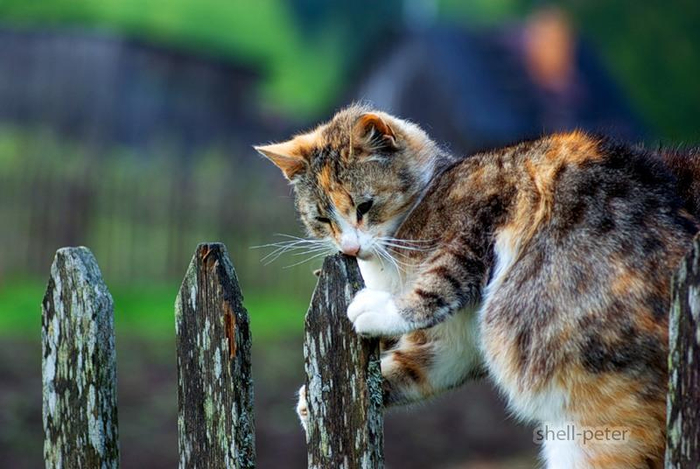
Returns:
<point x="379" y="276"/>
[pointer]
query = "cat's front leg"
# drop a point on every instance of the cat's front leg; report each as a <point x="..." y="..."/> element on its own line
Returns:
<point x="425" y="363"/>
<point x="441" y="289"/>
<point x="302" y="408"/>
<point x="375" y="313"/>
<point x="428" y="362"/>
<point x="449" y="280"/>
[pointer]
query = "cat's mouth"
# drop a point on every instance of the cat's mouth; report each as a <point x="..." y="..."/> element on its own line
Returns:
<point x="363" y="254"/>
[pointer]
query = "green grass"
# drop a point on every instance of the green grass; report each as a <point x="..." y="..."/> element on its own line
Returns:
<point x="147" y="311"/>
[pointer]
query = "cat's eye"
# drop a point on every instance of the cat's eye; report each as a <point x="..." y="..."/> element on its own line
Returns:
<point x="323" y="220"/>
<point x="363" y="208"/>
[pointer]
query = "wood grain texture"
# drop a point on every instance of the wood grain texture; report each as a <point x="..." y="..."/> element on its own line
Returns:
<point x="683" y="418"/>
<point x="216" y="422"/>
<point x="79" y="365"/>
<point x="343" y="376"/>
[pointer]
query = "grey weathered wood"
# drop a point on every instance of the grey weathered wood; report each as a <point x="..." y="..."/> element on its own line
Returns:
<point x="343" y="376"/>
<point x="78" y="365"/>
<point x="215" y="387"/>
<point x="683" y="417"/>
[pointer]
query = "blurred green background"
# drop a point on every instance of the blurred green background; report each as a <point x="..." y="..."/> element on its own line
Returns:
<point x="127" y="126"/>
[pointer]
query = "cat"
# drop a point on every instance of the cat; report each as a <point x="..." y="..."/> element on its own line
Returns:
<point x="545" y="265"/>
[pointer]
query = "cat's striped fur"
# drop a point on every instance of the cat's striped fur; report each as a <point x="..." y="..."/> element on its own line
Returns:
<point x="546" y="264"/>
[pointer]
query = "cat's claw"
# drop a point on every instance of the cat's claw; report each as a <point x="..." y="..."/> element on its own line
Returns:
<point x="303" y="409"/>
<point x="374" y="313"/>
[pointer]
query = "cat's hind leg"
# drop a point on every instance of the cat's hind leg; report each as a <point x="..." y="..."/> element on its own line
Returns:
<point x="424" y="363"/>
<point x="428" y="362"/>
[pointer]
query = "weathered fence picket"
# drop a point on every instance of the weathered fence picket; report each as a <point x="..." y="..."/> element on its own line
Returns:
<point x="215" y="388"/>
<point x="343" y="377"/>
<point x="78" y="365"/>
<point x="683" y="410"/>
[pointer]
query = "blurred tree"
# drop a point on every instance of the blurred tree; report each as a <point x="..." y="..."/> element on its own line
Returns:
<point x="312" y="48"/>
<point x="653" y="48"/>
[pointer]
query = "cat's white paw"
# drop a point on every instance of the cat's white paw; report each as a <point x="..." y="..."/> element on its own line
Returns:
<point x="374" y="313"/>
<point x="303" y="408"/>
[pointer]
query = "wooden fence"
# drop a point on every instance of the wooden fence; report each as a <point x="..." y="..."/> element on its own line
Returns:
<point x="140" y="213"/>
<point x="216" y="423"/>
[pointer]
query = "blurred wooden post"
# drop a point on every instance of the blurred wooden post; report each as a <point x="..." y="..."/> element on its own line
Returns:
<point x="683" y="417"/>
<point x="78" y="365"/>
<point x="215" y="387"/>
<point x="343" y="377"/>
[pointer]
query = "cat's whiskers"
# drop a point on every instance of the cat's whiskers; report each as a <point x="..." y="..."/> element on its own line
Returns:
<point x="296" y="245"/>
<point x="409" y="245"/>
<point x="383" y="256"/>
<point x="392" y="251"/>
<point x="407" y="241"/>
<point x="325" y="252"/>
<point x="382" y="252"/>
<point x="312" y="250"/>
<point x="274" y="255"/>
<point x="407" y="248"/>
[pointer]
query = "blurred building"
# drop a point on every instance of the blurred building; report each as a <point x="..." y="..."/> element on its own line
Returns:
<point x="474" y="89"/>
<point x="110" y="90"/>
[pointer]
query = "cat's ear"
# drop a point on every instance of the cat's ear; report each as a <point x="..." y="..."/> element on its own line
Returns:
<point x="287" y="156"/>
<point x="374" y="133"/>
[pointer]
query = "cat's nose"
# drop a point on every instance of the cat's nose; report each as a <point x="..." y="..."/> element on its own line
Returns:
<point x="352" y="250"/>
<point x="350" y="245"/>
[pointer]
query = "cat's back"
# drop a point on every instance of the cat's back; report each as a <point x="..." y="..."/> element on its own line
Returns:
<point x="579" y="236"/>
<point x="598" y="229"/>
<point x="595" y="220"/>
<point x="685" y="167"/>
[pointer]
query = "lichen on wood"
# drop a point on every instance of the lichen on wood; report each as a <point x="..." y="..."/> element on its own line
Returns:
<point x="215" y="388"/>
<point x="79" y="365"/>
<point x="683" y="412"/>
<point x="343" y="382"/>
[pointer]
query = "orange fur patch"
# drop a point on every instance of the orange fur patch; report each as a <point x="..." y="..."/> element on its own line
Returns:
<point x="341" y="199"/>
<point x="613" y="401"/>
<point x="573" y="147"/>
<point x="627" y="283"/>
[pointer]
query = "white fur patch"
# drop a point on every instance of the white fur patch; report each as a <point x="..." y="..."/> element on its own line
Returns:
<point x="303" y="408"/>
<point x="547" y="404"/>
<point x="379" y="275"/>
<point x="505" y="249"/>
<point x="558" y="454"/>
<point x="374" y="313"/>
<point x="456" y="348"/>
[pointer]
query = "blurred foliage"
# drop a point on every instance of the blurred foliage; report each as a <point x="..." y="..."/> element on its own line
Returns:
<point x="147" y="310"/>
<point x="311" y="49"/>
<point x="302" y="74"/>
<point x="653" y="49"/>
<point x="142" y="218"/>
<point x="483" y="12"/>
<point x="304" y="62"/>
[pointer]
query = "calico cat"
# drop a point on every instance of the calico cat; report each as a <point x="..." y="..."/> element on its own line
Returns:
<point x="545" y="265"/>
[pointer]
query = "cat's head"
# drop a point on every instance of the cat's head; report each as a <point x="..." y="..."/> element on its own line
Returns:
<point x="356" y="176"/>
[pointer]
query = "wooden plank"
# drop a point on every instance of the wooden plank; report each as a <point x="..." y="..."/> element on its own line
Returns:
<point x="683" y="417"/>
<point x="343" y="377"/>
<point x="79" y="365"/>
<point x="215" y="387"/>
